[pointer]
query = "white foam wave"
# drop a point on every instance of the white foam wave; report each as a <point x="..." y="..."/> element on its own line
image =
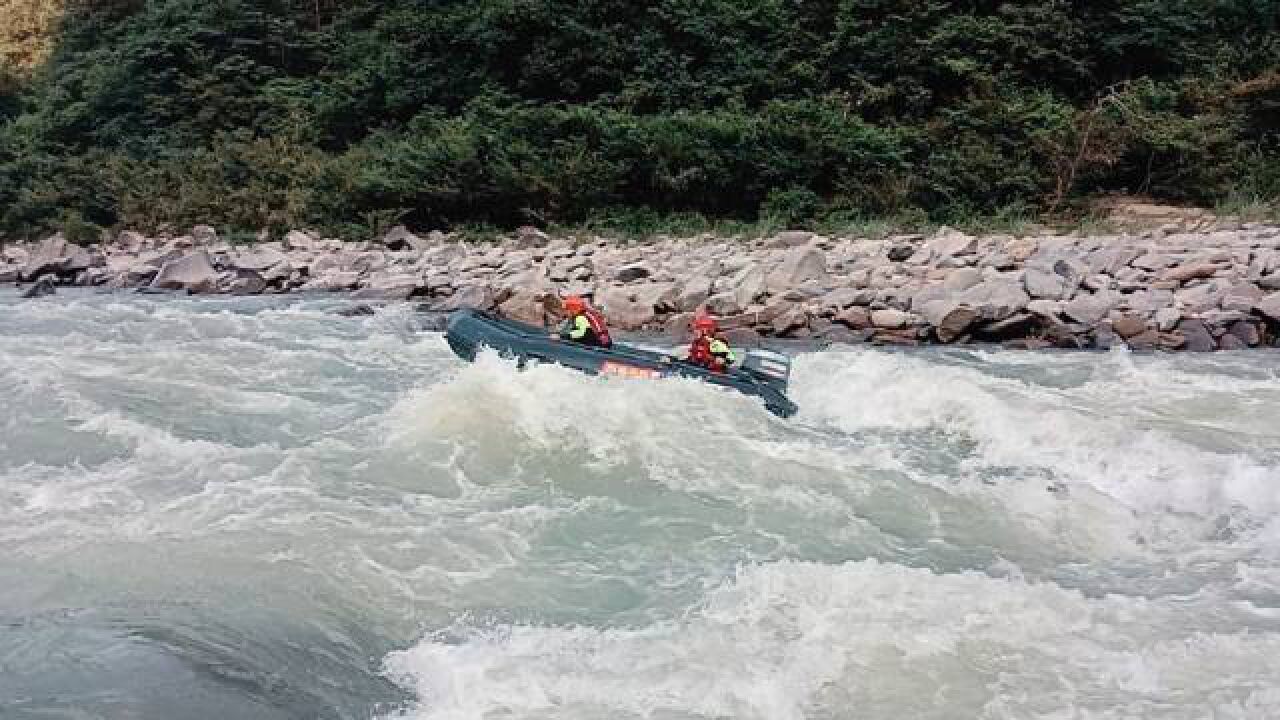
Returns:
<point x="1093" y="432"/>
<point x="790" y="641"/>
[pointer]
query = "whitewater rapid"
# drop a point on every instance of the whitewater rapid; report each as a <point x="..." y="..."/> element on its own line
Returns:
<point x="260" y="509"/>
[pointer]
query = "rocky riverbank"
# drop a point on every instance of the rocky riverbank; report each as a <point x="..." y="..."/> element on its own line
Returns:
<point x="1168" y="288"/>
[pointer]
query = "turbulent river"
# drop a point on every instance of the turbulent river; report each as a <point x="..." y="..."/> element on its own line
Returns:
<point x="260" y="509"/>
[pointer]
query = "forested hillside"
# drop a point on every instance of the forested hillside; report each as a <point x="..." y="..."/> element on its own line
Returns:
<point x="348" y="116"/>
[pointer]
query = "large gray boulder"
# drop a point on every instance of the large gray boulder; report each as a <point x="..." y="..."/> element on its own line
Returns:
<point x="693" y="294"/>
<point x="633" y="307"/>
<point x="996" y="298"/>
<point x="247" y="282"/>
<point x="193" y="272"/>
<point x="633" y="272"/>
<point x="749" y="285"/>
<point x="1269" y="307"/>
<point x="890" y="319"/>
<point x="259" y="259"/>
<point x="1045" y="284"/>
<point x="948" y="242"/>
<point x="1091" y="309"/>
<point x="799" y="265"/>
<point x="530" y="306"/>
<point x="399" y="286"/>
<point x="42" y="288"/>
<point x="400" y="239"/>
<point x="333" y="281"/>
<point x="477" y="297"/>
<point x="950" y="319"/>
<point x="962" y="278"/>
<point x="1197" y="336"/>
<point x="724" y="304"/>
<point x="48" y="256"/>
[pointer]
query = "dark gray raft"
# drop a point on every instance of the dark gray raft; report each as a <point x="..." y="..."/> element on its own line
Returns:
<point x="763" y="373"/>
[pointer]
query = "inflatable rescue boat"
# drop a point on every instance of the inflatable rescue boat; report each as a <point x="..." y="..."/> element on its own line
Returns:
<point x="762" y="373"/>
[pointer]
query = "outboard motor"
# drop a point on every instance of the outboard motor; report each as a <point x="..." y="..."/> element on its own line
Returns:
<point x="769" y="367"/>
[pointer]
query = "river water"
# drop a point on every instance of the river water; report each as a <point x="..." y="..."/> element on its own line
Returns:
<point x="258" y="509"/>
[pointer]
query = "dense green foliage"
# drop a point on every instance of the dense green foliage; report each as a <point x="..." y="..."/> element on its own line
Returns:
<point x="349" y="116"/>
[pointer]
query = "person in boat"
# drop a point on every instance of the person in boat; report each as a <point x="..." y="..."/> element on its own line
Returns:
<point x="709" y="349"/>
<point x="583" y="324"/>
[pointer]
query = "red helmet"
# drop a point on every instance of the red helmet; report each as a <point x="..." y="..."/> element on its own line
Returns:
<point x="704" y="324"/>
<point x="574" y="305"/>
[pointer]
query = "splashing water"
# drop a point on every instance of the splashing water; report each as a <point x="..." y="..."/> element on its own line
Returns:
<point x="253" y="508"/>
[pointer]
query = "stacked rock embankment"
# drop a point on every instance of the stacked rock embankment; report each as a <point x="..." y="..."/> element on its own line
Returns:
<point x="1166" y="289"/>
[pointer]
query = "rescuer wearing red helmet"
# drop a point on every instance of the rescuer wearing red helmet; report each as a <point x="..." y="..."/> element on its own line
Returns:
<point x="583" y="324"/>
<point x="709" y="349"/>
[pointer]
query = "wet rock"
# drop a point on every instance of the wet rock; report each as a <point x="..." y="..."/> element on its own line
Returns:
<point x="1148" y="340"/>
<point x="1196" y="336"/>
<point x="1104" y="338"/>
<point x="1231" y="342"/>
<point x="907" y="338"/>
<point x="429" y="320"/>
<point x="42" y="288"/>
<point x="360" y="310"/>
<point x="1171" y="341"/>
<point x="247" y="282"/>
<point x="1017" y="325"/>
<point x="193" y="272"/>
<point x="1247" y="332"/>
